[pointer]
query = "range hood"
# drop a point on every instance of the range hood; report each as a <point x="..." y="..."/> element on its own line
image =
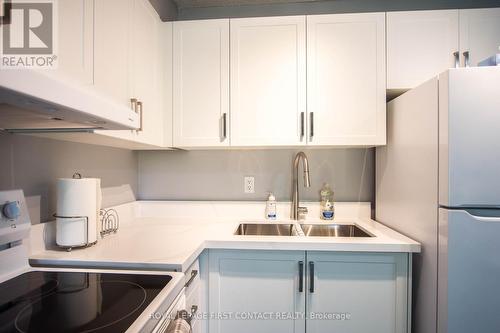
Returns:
<point x="31" y="101"/>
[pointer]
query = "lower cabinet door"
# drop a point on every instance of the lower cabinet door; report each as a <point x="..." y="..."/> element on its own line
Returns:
<point x="356" y="292"/>
<point x="256" y="292"/>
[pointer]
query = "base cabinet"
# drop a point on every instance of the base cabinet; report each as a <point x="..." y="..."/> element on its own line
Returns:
<point x="354" y="292"/>
<point x="244" y="285"/>
<point x="319" y="292"/>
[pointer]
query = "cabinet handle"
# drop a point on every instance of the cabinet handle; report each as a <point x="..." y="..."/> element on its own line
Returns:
<point x="194" y="309"/>
<point x="302" y="125"/>
<point x="224" y="126"/>
<point x="311" y="276"/>
<point x="467" y="58"/>
<point x="194" y="272"/>
<point x="457" y="59"/>
<point x="301" y="276"/>
<point x="139" y="110"/>
<point x="311" y="120"/>
<point x="133" y="104"/>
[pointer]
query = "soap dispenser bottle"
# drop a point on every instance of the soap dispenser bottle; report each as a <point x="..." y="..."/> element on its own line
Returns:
<point x="326" y="205"/>
<point x="271" y="207"/>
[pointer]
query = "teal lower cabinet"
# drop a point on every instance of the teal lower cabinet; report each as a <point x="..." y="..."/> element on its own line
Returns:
<point x="248" y="290"/>
<point x="357" y="292"/>
<point x="254" y="291"/>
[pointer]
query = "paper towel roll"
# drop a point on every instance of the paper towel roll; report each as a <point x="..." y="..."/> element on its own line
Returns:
<point x="77" y="199"/>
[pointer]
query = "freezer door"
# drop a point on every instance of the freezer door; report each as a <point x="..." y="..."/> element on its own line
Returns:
<point x="469" y="271"/>
<point x="469" y="137"/>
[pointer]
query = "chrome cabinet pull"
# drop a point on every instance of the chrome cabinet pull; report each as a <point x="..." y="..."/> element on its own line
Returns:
<point x="311" y="276"/>
<point x="311" y="120"/>
<point x="194" y="309"/>
<point x="301" y="276"/>
<point x="194" y="272"/>
<point x="224" y="126"/>
<point x="457" y="59"/>
<point x="133" y="104"/>
<point x="139" y="110"/>
<point x="302" y="125"/>
<point x="466" y="58"/>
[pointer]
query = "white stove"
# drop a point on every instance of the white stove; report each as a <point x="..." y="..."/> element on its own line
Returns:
<point x="76" y="300"/>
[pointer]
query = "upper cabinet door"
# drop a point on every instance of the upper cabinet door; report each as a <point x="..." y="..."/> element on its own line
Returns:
<point x="145" y="54"/>
<point x="75" y="41"/>
<point x="112" y="40"/>
<point x="346" y="90"/>
<point x="479" y="34"/>
<point x="420" y="45"/>
<point x="201" y="83"/>
<point x="268" y="72"/>
<point x="112" y="44"/>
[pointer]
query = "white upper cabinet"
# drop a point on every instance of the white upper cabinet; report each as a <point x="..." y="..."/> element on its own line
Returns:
<point x="201" y="83"/>
<point x="75" y="51"/>
<point x="112" y="43"/>
<point x="112" y="60"/>
<point x="479" y="34"/>
<point x="420" y="45"/>
<point x="127" y="37"/>
<point x="165" y="42"/>
<point x="127" y="67"/>
<point x="346" y="79"/>
<point x="268" y="73"/>
<point x="145" y="53"/>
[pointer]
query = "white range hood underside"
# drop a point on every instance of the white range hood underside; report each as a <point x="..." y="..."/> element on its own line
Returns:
<point x="31" y="101"/>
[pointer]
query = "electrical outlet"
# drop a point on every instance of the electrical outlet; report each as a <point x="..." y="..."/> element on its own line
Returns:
<point x="249" y="184"/>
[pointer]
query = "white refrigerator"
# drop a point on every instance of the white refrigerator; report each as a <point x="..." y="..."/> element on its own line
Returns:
<point x="438" y="182"/>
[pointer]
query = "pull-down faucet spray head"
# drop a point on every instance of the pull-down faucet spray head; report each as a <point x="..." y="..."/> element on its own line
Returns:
<point x="295" y="183"/>
<point x="305" y="166"/>
<point x="307" y="180"/>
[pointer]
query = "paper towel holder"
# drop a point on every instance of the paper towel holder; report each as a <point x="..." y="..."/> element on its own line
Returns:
<point x="87" y="243"/>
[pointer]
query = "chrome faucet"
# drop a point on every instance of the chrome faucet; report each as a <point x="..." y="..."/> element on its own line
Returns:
<point x="295" y="185"/>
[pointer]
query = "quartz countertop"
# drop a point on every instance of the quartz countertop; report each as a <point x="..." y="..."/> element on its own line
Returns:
<point x="151" y="239"/>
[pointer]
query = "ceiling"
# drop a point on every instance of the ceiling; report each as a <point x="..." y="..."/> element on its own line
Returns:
<point x="223" y="3"/>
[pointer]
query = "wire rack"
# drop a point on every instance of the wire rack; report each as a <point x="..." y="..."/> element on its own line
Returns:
<point x="110" y="221"/>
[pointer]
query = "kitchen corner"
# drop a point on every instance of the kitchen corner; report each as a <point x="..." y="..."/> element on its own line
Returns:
<point x="243" y="166"/>
<point x="171" y="235"/>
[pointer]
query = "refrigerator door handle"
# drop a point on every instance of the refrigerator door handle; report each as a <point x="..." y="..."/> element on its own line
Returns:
<point x="485" y="218"/>
<point x="482" y="215"/>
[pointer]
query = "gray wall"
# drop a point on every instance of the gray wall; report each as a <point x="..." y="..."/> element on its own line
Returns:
<point x="218" y="175"/>
<point x="332" y="6"/>
<point x="34" y="164"/>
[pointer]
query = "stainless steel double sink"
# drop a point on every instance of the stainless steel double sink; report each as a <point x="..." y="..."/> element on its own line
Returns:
<point x="318" y="230"/>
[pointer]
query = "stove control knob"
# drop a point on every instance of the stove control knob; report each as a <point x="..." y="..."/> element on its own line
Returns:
<point x="11" y="210"/>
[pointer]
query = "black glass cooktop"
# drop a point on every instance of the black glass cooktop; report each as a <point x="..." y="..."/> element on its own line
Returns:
<point x="76" y="302"/>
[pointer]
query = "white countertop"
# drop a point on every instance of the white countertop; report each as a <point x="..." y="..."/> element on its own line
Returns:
<point x="159" y="236"/>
